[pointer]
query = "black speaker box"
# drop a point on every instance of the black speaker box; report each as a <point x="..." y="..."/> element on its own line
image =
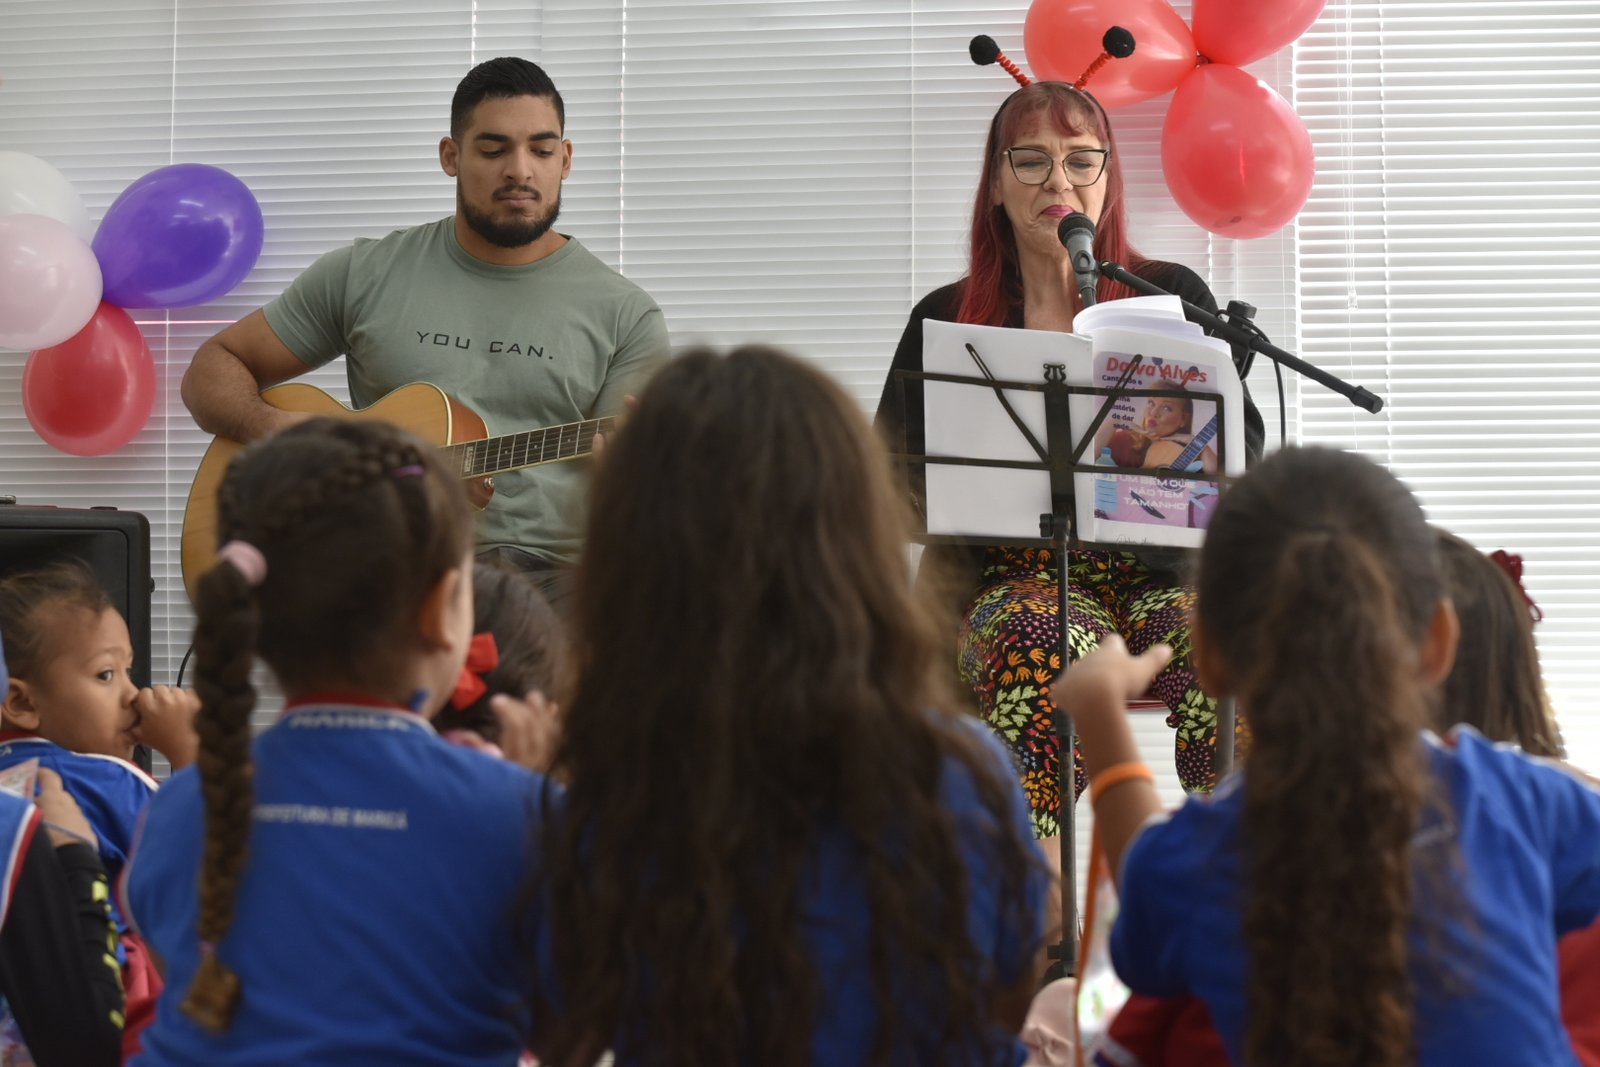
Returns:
<point x="116" y="544"/>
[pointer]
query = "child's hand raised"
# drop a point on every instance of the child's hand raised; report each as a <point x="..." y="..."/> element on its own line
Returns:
<point x="166" y="723"/>
<point x="1095" y="692"/>
<point x="530" y="729"/>
<point x="1107" y="678"/>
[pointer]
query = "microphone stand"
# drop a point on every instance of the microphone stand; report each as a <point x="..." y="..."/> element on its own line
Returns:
<point x="1086" y="293"/>
<point x="1227" y="331"/>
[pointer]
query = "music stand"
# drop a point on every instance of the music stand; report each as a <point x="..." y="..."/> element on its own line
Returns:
<point x="1061" y="455"/>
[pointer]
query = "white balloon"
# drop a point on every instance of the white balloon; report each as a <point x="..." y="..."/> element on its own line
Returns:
<point x="30" y="186"/>
<point x="50" y="282"/>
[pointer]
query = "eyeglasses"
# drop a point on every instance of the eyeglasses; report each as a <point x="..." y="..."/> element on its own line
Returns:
<point x="1032" y="166"/>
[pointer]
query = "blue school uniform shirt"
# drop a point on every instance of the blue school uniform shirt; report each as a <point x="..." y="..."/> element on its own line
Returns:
<point x="111" y="792"/>
<point x="19" y="820"/>
<point x="1529" y="837"/>
<point x="1004" y="920"/>
<point x="373" y="923"/>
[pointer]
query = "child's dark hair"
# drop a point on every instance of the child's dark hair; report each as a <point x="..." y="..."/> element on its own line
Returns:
<point x="501" y="79"/>
<point x="749" y="644"/>
<point x="1495" y="684"/>
<point x="530" y="641"/>
<point x="357" y="521"/>
<point x="26" y="595"/>
<point x="1318" y="586"/>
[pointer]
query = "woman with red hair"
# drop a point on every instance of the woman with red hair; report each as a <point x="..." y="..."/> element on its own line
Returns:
<point x="1049" y="153"/>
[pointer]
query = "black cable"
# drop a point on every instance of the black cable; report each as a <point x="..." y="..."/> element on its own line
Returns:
<point x="1283" y="407"/>
<point x="1250" y="327"/>
<point x="185" y="662"/>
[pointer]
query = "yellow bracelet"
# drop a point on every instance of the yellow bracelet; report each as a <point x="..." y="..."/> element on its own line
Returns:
<point x="1116" y="774"/>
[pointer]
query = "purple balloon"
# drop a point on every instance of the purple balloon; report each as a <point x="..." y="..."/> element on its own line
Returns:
<point x="179" y="236"/>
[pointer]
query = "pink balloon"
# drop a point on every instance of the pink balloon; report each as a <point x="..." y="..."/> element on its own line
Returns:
<point x="1242" y="31"/>
<point x="1237" y="158"/>
<point x="1062" y="38"/>
<point x="49" y="282"/>
<point x="92" y="393"/>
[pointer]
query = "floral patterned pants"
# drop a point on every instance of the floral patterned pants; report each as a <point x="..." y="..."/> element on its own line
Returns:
<point x="1010" y="652"/>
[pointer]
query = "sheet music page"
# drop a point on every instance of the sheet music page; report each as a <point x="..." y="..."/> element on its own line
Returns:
<point x="969" y="422"/>
<point x="1149" y="312"/>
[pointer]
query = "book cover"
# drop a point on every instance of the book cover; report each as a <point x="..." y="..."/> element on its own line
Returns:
<point x="1150" y="346"/>
<point x="1159" y="434"/>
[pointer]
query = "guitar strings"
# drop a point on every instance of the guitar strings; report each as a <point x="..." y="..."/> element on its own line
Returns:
<point x="528" y="448"/>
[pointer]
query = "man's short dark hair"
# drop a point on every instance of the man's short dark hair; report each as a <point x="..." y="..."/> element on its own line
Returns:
<point x="500" y="79"/>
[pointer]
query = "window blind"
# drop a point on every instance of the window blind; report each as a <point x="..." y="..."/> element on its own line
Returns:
<point x="1447" y="260"/>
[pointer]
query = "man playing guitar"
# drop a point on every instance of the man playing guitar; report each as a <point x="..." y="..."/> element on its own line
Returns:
<point x="519" y="323"/>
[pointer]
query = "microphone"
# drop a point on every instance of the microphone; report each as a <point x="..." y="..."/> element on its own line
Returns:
<point x="1076" y="232"/>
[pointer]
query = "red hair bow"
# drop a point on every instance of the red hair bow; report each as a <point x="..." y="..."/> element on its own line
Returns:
<point x="1511" y="563"/>
<point x="483" y="656"/>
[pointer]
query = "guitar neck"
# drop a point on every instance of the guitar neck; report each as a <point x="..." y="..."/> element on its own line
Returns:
<point x="1196" y="445"/>
<point x="514" y="451"/>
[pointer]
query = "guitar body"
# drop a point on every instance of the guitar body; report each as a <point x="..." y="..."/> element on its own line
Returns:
<point x="1165" y="454"/>
<point x="421" y="408"/>
<point x="1187" y="456"/>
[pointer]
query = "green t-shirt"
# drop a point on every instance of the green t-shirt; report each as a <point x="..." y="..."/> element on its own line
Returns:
<point x="551" y="342"/>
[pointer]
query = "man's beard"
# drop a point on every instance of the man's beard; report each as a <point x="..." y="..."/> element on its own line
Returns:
<point x="516" y="234"/>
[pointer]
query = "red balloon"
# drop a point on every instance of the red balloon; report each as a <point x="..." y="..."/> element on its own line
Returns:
<point x="1237" y="158"/>
<point x="1242" y="31"/>
<point x="1062" y="38"/>
<point x="93" y="392"/>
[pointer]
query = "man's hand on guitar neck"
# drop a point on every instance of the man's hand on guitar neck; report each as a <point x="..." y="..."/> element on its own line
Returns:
<point x="481" y="490"/>
<point x="630" y="402"/>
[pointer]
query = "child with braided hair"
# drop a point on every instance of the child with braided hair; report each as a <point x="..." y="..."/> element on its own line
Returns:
<point x="324" y="850"/>
<point x="1494" y="686"/>
<point x="1397" y="909"/>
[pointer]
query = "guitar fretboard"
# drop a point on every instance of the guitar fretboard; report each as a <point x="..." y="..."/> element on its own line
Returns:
<point x="1196" y="445"/>
<point x="513" y="451"/>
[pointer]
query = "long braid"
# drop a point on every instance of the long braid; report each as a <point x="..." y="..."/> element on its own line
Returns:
<point x="366" y="466"/>
<point x="235" y="621"/>
<point x="224" y="652"/>
<point x="399" y="465"/>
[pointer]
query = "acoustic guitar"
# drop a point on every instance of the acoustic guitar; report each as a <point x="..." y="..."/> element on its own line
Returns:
<point x="1170" y="455"/>
<point x="423" y="409"/>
